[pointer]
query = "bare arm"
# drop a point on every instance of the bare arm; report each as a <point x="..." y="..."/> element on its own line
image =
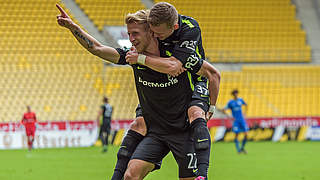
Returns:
<point x="93" y="46"/>
<point x="170" y="65"/>
<point x="213" y="75"/>
<point x="22" y="120"/>
<point x="245" y="109"/>
<point x="224" y="111"/>
<point x="87" y="41"/>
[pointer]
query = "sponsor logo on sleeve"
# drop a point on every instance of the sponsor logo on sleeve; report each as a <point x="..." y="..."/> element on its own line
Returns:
<point x="191" y="62"/>
<point x="189" y="44"/>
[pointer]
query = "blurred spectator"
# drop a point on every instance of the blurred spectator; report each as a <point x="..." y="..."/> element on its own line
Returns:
<point x="104" y="119"/>
<point x="29" y="121"/>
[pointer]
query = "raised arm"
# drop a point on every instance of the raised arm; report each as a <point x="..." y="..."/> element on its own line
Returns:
<point x="90" y="43"/>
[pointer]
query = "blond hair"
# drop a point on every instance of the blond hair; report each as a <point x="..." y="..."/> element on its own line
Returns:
<point x="163" y="12"/>
<point x="139" y="17"/>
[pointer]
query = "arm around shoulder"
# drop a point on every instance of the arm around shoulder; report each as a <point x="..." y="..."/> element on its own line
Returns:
<point x="170" y="65"/>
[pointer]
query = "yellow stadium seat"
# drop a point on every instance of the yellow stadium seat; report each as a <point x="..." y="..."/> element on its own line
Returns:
<point x="275" y="90"/>
<point x="42" y="65"/>
<point x="109" y="12"/>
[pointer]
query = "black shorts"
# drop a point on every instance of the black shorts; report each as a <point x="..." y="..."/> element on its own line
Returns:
<point x="201" y="94"/>
<point x="153" y="148"/>
<point x="105" y="128"/>
<point x="200" y="103"/>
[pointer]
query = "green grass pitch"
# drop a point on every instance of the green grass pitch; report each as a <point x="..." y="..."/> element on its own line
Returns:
<point x="264" y="161"/>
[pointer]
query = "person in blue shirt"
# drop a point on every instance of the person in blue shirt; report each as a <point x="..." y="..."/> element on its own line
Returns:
<point x="239" y="123"/>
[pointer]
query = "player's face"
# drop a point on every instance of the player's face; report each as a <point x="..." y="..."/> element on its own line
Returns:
<point x="139" y="36"/>
<point x="162" y="31"/>
<point x="235" y="95"/>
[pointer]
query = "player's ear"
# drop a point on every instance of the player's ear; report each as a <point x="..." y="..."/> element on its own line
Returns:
<point x="176" y="26"/>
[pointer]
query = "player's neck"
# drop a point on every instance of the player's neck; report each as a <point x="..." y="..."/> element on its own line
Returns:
<point x="153" y="48"/>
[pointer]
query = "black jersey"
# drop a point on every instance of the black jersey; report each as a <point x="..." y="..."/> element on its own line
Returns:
<point x="106" y="114"/>
<point x="106" y="110"/>
<point x="185" y="44"/>
<point x="164" y="99"/>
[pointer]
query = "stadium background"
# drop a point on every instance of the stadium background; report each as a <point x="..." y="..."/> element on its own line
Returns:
<point x="268" y="49"/>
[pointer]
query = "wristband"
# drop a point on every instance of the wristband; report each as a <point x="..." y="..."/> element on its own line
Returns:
<point x="212" y="109"/>
<point x="141" y="59"/>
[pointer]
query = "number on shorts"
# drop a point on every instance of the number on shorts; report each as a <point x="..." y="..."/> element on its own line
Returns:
<point x="192" y="161"/>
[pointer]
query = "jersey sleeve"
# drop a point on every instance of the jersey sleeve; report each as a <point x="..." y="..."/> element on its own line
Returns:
<point x="35" y="118"/>
<point x="186" y="50"/>
<point x="243" y="102"/>
<point x="122" y="52"/>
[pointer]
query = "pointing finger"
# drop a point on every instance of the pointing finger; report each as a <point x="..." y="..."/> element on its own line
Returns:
<point x="63" y="13"/>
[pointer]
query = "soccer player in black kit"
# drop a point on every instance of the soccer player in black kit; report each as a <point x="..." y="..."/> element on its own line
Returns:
<point x="105" y="126"/>
<point x="164" y="99"/>
<point x="181" y="36"/>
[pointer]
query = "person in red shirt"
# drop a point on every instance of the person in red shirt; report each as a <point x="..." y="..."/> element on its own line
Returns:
<point x="29" y="121"/>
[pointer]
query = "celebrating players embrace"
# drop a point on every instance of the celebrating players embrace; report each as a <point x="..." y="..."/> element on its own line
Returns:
<point x="177" y="91"/>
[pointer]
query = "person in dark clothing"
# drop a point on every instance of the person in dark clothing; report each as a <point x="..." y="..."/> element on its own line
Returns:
<point x="104" y="119"/>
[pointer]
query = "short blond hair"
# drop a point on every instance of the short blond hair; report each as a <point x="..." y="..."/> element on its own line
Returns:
<point x="163" y="12"/>
<point x="139" y="17"/>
